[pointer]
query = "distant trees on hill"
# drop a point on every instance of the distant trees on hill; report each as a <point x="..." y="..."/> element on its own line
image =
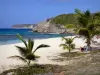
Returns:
<point x="64" y="19"/>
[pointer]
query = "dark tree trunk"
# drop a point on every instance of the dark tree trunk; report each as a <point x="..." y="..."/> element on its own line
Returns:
<point x="88" y="44"/>
<point x="69" y="51"/>
<point x="29" y="63"/>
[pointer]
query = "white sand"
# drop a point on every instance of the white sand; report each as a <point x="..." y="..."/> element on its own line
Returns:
<point x="45" y="53"/>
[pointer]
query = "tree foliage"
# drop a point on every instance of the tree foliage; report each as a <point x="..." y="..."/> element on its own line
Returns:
<point x="26" y="53"/>
<point x="68" y="45"/>
<point x="74" y="20"/>
<point x="89" y="25"/>
<point x="65" y="19"/>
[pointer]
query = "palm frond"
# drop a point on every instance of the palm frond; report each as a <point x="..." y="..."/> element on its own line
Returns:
<point x="22" y="40"/>
<point x="84" y="32"/>
<point x="78" y="12"/>
<point x="83" y="22"/>
<point x="87" y="14"/>
<point x="97" y="14"/>
<point x="96" y="32"/>
<point x="69" y="41"/>
<point x="18" y="57"/>
<point x="84" y="18"/>
<point x="22" y="50"/>
<point x="63" y="38"/>
<point x="64" y="46"/>
<point x="91" y="27"/>
<point x="73" y="38"/>
<point x="31" y="56"/>
<point x="30" y="44"/>
<point x="73" y="46"/>
<point x="41" y="46"/>
<point x="36" y="56"/>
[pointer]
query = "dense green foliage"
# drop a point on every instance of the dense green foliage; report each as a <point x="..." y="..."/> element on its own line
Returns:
<point x="88" y="25"/>
<point x="72" y="19"/>
<point x="27" y="53"/>
<point x="65" y="19"/>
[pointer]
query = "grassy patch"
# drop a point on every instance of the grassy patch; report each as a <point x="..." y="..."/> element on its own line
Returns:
<point x="72" y="54"/>
<point x="35" y="69"/>
<point x="68" y="56"/>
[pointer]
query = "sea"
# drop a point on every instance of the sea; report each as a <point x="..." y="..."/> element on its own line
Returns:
<point x="8" y="36"/>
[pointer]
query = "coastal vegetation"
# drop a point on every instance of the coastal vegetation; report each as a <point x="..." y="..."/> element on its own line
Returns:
<point x="86" y="24"/>
<point x="65" y="19"/>
<point x="27" y="53"/>
<point x="72" y="20"/>
<point x="68" y="45"/>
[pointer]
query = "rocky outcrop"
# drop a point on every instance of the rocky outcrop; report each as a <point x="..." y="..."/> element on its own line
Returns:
<point x="44" y="27"/>
<point x="48" y="27"/>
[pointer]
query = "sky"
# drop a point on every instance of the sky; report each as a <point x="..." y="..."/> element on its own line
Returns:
<point x="34" y="11"/>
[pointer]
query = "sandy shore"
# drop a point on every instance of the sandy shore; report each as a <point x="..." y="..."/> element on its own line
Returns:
<point x="45" y="53"/>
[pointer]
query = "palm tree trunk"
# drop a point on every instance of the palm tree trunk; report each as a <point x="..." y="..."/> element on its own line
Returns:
<point x="69" y="51"/>
<point x="28" y="63"/>
<point x="89" y="47"/>
<point x="88" y="44"/>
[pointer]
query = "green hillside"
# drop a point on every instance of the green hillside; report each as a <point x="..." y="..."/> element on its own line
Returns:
<point x="64" y="19"/>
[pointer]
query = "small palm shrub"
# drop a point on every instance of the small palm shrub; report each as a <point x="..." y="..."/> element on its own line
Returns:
<point x="68" y="45"/>
<point x="26" y="53"/>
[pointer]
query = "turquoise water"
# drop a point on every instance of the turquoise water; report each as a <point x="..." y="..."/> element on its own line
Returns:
<point x="9" y="35"/>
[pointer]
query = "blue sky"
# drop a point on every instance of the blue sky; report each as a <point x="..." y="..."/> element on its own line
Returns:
<point x="34" y="11"/>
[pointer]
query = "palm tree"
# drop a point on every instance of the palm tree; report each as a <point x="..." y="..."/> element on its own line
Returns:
<point x="88" y="25"/>
<point x="68" y="45"/>
<point x="27" y="55"/>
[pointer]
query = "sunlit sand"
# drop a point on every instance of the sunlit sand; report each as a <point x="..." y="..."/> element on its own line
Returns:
<point x="45" y="53"/>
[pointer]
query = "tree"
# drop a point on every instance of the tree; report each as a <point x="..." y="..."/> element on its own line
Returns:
<point x="88" y="25"/>
<point x="27" y="55"/>
<point x="68" y="45"/>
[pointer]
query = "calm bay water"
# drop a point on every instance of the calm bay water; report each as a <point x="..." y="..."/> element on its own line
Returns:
<point x="8" y="36"/>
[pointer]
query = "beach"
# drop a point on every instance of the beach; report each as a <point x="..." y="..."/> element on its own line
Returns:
<point x="46" y="54"/>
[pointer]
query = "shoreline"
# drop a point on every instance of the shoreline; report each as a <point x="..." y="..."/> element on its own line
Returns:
<point x="46" y="54"/>
<point x="18" y="41"/>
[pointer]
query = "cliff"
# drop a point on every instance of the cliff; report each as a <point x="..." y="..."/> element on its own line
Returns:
<point x="48" y="27"/>
<point x="56" y="24"/>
